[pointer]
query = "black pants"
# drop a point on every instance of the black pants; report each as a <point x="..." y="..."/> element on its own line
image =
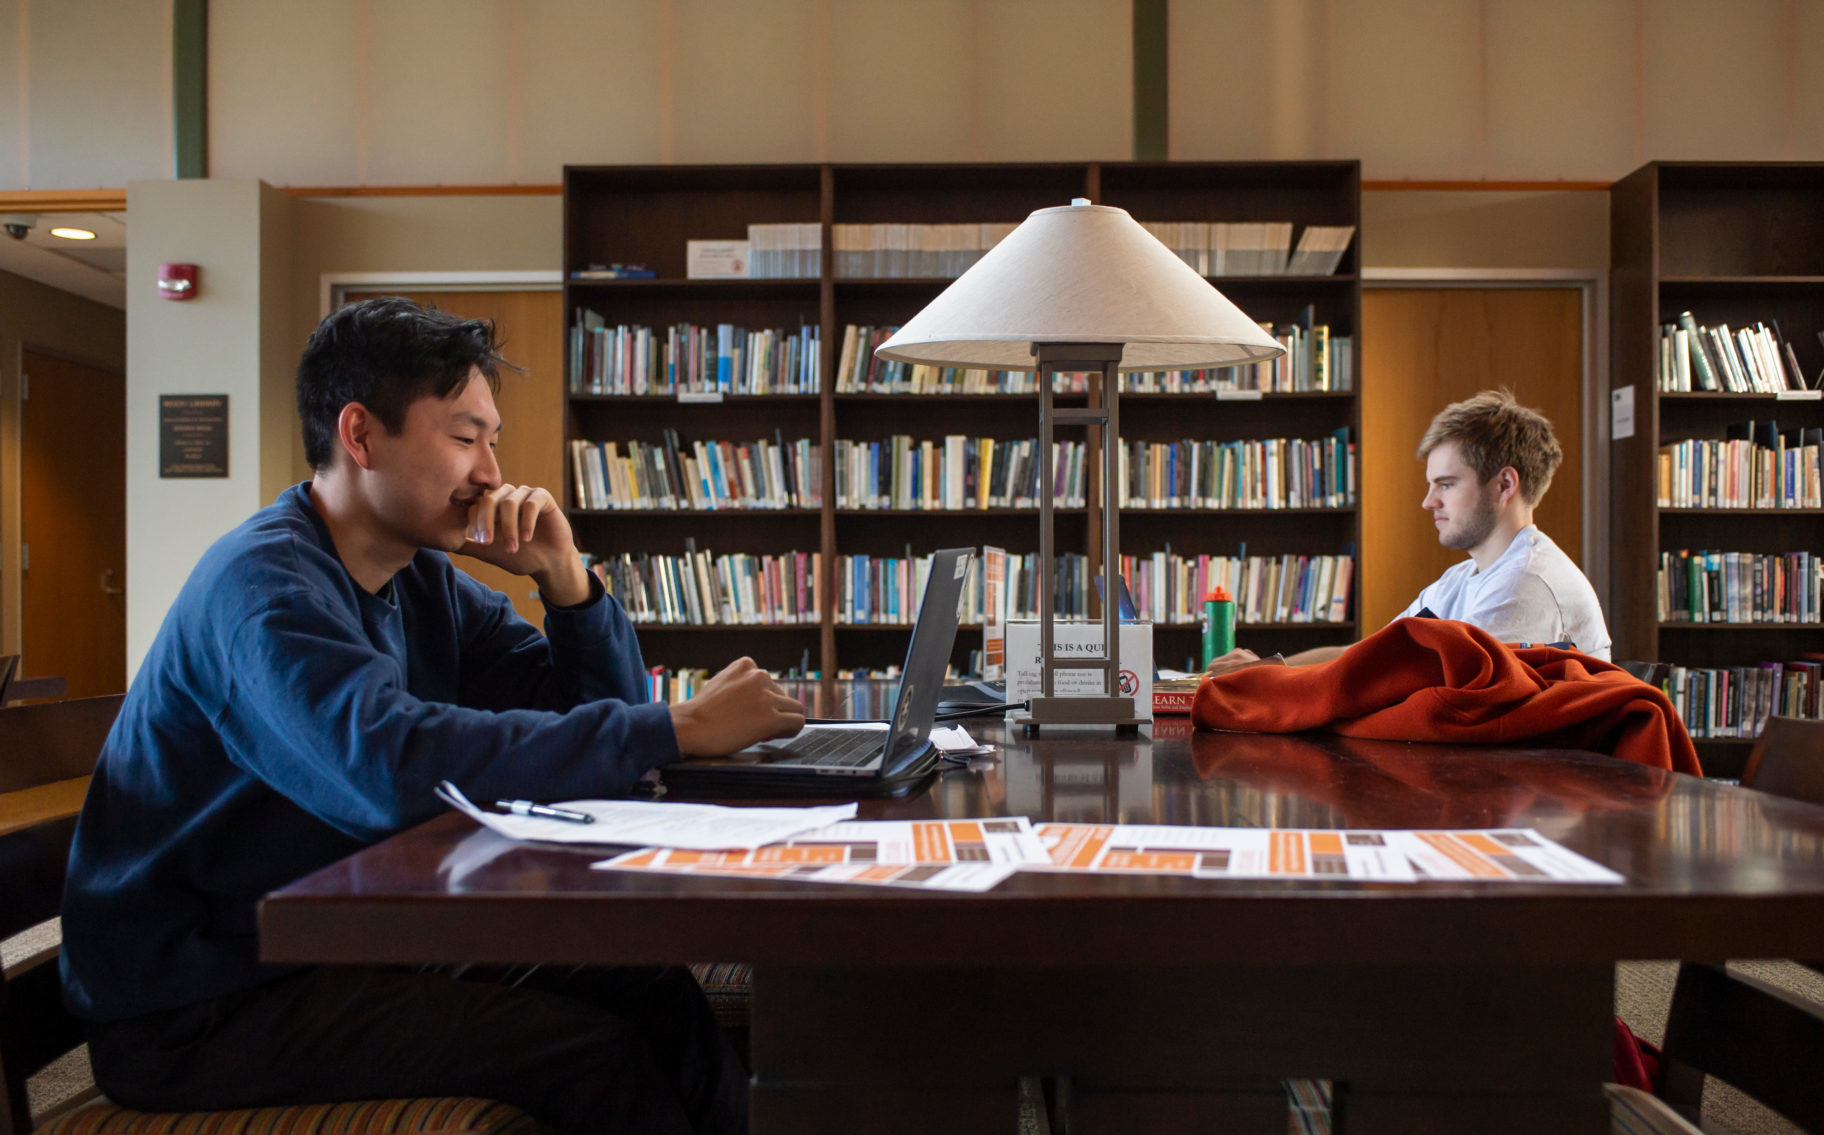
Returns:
<point x="585" y="1050"/>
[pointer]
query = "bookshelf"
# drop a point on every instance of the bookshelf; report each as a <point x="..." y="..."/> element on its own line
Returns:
<point x="645" y="215"/>
<point x="1734" y="243"/>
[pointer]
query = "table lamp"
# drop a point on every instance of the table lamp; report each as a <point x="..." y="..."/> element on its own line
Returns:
<point x="1080" y="288"/>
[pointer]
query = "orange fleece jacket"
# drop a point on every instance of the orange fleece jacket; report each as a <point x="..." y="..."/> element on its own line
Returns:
<point x="1441" y="680"/>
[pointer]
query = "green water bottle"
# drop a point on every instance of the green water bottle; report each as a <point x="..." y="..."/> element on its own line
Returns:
<point x="1218" y="625"/>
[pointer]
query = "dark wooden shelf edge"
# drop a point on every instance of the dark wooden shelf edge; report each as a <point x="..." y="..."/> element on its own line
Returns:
<point x="1815" y="280"/>
<point x="1670" y="511"/>
<point x="648" y="513"/>
<point x="1687" y="626"/>
<point x="656" y="399"/>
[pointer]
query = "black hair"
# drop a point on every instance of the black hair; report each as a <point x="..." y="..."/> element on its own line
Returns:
<point x="387" y="353"/>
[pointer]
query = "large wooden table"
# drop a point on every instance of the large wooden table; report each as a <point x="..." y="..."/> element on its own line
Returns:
<point x="1162" y="1004"/>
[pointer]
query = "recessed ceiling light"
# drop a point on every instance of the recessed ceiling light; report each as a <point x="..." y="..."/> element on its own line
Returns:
<point x="73" y="234"/>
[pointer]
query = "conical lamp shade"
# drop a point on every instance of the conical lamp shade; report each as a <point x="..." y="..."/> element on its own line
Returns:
<point x="1081" y="274"/>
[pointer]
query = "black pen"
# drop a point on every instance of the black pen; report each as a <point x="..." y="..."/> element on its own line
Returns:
<point x="543" y="811"/>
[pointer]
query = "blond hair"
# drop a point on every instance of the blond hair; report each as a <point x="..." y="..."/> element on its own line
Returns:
<point x="1493" y="432"/>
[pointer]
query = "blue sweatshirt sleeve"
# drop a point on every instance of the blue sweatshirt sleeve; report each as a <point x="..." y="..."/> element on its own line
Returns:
<point x="588" y="652"/>
<point x="323" y="716"/>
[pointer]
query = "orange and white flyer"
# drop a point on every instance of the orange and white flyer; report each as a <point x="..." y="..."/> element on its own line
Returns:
<point x="1495" y="855"/>
<point x="1222" y="853"/>
<point x="955" y="855"/>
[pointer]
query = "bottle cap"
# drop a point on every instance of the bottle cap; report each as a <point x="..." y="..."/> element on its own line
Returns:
<point x="1218" y="594"/>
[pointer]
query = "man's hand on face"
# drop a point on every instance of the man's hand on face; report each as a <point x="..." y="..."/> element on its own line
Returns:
<point x="520" y="529"/>
<point x="740" y="706"/>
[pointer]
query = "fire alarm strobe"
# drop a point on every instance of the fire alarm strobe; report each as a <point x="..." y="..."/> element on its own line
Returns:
<point x="177" y="281"/>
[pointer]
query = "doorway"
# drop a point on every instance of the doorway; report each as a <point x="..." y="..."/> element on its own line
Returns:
<point x="73" y="525"/>
<point x="529" y="326"/>
<point x="1426" y="347"/>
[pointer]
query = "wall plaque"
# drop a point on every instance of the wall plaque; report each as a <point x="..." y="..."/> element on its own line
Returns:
<point x="193" y="435"/>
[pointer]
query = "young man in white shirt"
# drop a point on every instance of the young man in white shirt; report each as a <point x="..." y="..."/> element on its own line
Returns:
<point x="1488" y="461"/>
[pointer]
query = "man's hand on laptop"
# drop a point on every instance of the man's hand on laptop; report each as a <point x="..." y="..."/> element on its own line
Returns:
<point x="1240" y="659"/>
<point x="740" y="706"/>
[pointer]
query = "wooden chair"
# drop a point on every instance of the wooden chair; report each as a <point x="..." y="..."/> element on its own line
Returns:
<point x="54" y="746"/>
<point x="1763" y="1040"/>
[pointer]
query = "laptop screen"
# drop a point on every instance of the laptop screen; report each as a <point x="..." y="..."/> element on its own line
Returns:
<point x="928" y="656"/>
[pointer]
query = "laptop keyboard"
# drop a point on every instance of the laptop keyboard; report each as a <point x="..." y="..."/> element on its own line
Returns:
<point x="832" y="748"/>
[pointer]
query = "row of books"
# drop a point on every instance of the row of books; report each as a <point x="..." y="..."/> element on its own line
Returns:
<point x="1737" y="701"/>
<point x="1754" y="359"/>
<point x="1263" y="473"/>
<point x="1256" y="248"/>
<point x="1314" y="361"/>
<point x="955" y="473"/>
<point x="1740" y="587"/>
<point x="912" y="251"/>
<point x="1756" y="466"/>
<point x="689" y="359"/>
<point x="758" y="474"/>
<point x="792" y="251"/>
<point x="1170" y="588"/>
<point x="700" y="588"/>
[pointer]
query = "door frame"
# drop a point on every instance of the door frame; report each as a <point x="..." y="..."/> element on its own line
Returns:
<point x="1593" y="284"/>
<point x="332" y="286"/>
<point x="12" y="491"/>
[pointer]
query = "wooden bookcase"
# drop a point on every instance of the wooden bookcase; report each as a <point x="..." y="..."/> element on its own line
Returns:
<point x="1732" y="243"/>
<point x="646" y="214"/>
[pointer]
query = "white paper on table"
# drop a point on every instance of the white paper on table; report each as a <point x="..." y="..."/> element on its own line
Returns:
<point x="956" y="739"/>
<point x="643" y="823"/>
<point x="1221" y="853"/>
<point x="992" y="839"/>
<point x="1514" y="855"/>
<point x="1518" y="855"/>
<point x="968" y="877"/>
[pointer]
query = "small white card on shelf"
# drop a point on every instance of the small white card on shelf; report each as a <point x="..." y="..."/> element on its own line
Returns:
<point x="1799" y="395"/>
<point x="715" y="259"/>
<point x="1238" y="396"/>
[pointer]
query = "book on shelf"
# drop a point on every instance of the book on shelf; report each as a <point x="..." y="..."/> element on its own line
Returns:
<point x="1735" y="702"/>
<point x="614" y="272"/>
<point x="1756" y="465"/>
<point x="1739" y="587"/>
<point x="955" y="473"/>
<point x="912" y="251"/>
<point x="790" y="251"/>
<point x="1320" y="250"/>
<point x="700" y="588"/>
<point x="687" y="358"/>
<point x="1315" y="361"/>
<point x="1264" y="473"/>
<point x="888" y="589"/>
<point x="759" y="474"/>
<point x="1168" y="588"/>
<point x="1749" y="360"/>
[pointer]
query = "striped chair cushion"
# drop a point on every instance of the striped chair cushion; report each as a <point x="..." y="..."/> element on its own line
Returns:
<point x="447" y="1116"/>
<point x="1634" y="1112"/>
<point x="730" y="989"/>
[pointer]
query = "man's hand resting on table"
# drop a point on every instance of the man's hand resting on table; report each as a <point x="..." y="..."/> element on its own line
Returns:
<point x="1240" y="659"/>
<point x="740" y="706"/>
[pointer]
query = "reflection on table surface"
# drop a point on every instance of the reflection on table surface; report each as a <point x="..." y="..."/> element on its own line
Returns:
<point x="1628" y="816"/>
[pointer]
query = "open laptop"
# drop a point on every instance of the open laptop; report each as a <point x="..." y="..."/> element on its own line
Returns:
<point x="856" y="759"/>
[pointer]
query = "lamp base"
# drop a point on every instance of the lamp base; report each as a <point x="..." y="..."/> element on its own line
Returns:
<point x="1115" y="711"/>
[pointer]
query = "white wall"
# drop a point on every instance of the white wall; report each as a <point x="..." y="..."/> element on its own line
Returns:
<point x="85" y="93"/>
<point x="428" y="92"/>
<point x="214" y="344"/>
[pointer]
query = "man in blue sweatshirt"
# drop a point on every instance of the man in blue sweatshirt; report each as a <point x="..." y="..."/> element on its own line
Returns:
<point x="322" y="669"/>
